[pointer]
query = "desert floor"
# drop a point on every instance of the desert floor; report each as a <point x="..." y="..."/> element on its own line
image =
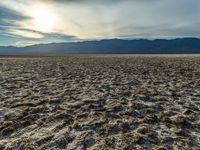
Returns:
<point x="100" y="103"/>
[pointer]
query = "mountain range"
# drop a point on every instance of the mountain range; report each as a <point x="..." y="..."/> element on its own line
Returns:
<point x="110" y="46"/>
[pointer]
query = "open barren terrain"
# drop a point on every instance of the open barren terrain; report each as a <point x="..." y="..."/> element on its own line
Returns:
<point x="130" y="103"/>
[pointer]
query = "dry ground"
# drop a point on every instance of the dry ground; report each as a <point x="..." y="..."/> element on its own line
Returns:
<point x="100" y="103"/>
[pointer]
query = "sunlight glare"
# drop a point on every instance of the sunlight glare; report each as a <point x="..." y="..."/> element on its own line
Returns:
<point x="44" y="18"/>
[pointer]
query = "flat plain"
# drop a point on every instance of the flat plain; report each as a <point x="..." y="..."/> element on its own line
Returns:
<point x="86" y="102"/>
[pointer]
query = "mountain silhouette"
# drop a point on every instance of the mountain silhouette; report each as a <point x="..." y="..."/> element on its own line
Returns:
<point x="111" y="46"/>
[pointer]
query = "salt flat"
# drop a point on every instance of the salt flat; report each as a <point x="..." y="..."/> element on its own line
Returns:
<point x="81" y="102"/>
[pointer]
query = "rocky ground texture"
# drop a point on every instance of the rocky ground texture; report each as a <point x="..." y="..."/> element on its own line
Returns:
<point x="94" y="103"/>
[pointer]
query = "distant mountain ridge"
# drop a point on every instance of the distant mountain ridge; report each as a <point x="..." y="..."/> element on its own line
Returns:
<point x="111" y="46"/>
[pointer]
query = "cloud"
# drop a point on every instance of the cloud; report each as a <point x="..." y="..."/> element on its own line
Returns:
<point x="99" y="19"/>
<point x="96" y="1"/>
<point x="37" y="37"/>
<point x="25" y="33"/>
<point x="24" y="43"/>
<point x="13" y="31"/>
<point x="9" y="16"/>
<point x="46" y="38"/>
<point x="9" y="27"/>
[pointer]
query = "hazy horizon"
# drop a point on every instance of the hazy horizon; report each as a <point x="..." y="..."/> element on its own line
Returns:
<point x="99" y="40"/>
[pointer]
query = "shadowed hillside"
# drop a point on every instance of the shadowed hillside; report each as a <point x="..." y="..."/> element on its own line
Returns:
<point x="113" y="46"/>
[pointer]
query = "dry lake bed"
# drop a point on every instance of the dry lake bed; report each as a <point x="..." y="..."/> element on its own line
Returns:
<point x="100" y="103"/>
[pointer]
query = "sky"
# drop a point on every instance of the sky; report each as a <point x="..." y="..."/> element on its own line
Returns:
<point x="28" y="22"/>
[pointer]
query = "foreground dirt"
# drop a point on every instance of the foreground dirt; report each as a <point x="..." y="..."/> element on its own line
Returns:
<point x="100" y="103"/>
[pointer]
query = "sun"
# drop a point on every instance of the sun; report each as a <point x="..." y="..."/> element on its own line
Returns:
<point x="44" y="19"/>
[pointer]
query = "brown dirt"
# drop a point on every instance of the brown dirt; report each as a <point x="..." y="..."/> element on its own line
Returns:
<point x="100" y="103"/>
